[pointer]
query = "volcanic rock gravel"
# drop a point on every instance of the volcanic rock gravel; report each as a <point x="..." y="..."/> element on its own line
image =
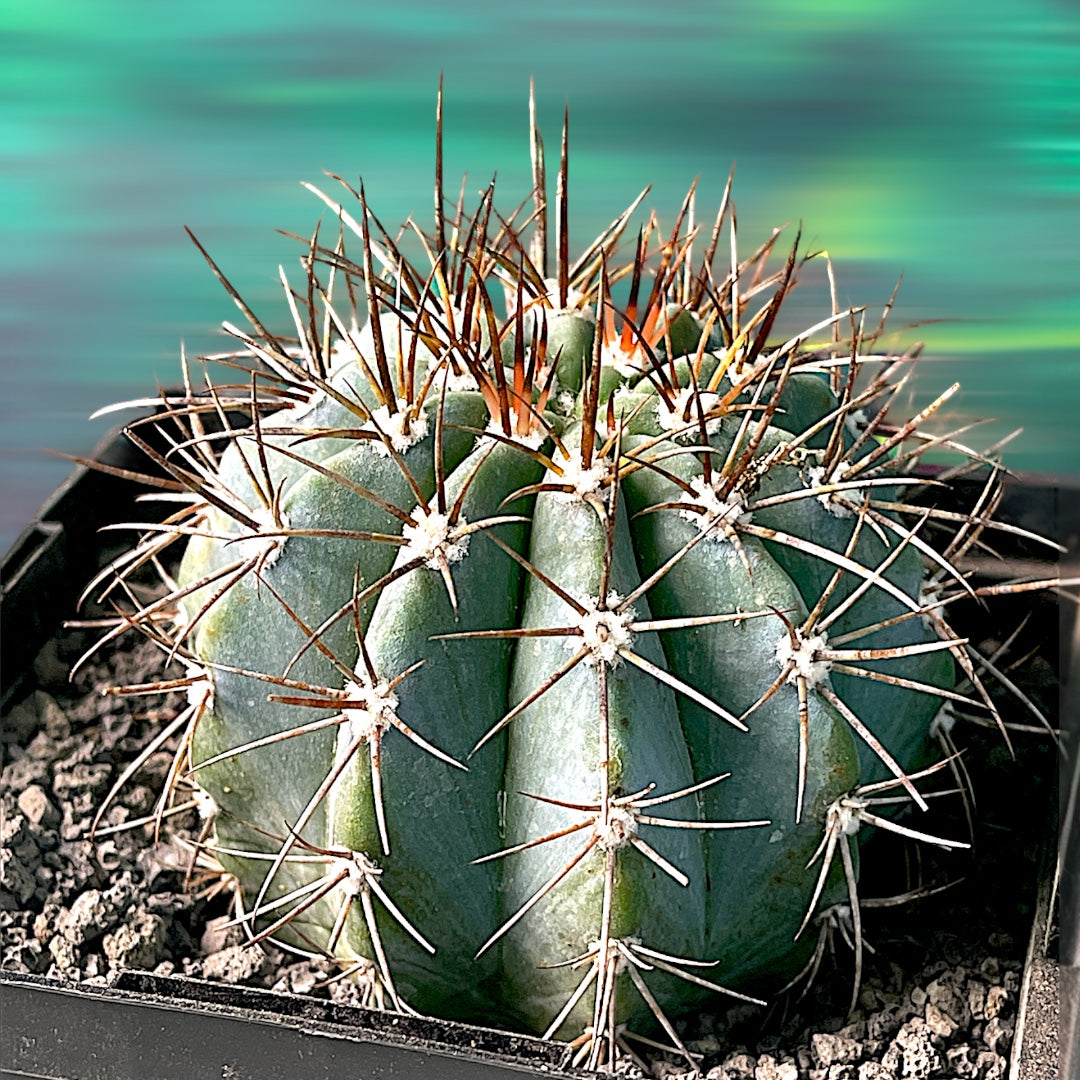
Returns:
<point x="938" y="998"/>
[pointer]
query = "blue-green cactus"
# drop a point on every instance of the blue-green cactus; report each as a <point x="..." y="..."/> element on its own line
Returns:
<point x="544" y="662"/>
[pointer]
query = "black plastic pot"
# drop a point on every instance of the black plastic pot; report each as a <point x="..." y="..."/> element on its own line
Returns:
<point x="172" y="1026"/>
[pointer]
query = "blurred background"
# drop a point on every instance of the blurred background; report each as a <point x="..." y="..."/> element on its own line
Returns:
<point x="935" y="138"/>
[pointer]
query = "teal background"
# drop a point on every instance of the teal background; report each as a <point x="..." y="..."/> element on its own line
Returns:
<point x="940" y="138"/>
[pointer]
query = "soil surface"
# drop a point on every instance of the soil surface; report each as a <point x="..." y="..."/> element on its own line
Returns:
<point x="938" y="996"/>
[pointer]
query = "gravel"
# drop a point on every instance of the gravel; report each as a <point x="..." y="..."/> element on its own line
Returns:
<point x="939" y="994"/>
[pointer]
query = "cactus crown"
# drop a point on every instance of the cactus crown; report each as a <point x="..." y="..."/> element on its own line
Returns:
<point x="544" y="655"/>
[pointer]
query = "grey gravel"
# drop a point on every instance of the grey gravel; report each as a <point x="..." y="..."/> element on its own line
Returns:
<point x="83" y="910"/>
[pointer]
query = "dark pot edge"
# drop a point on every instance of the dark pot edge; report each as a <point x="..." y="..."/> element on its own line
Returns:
<point x="178" y="1027"/>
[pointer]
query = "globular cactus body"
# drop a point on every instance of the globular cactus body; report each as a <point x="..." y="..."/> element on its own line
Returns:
<point x="548" y="668"/>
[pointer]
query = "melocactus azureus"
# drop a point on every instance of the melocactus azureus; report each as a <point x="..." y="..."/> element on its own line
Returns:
<point x="545" y="653"/>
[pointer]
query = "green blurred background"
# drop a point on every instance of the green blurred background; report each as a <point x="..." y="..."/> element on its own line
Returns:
<point x="938" y="138"/>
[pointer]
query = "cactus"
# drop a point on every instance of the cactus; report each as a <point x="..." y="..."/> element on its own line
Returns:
<point x="543" y="661"/>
